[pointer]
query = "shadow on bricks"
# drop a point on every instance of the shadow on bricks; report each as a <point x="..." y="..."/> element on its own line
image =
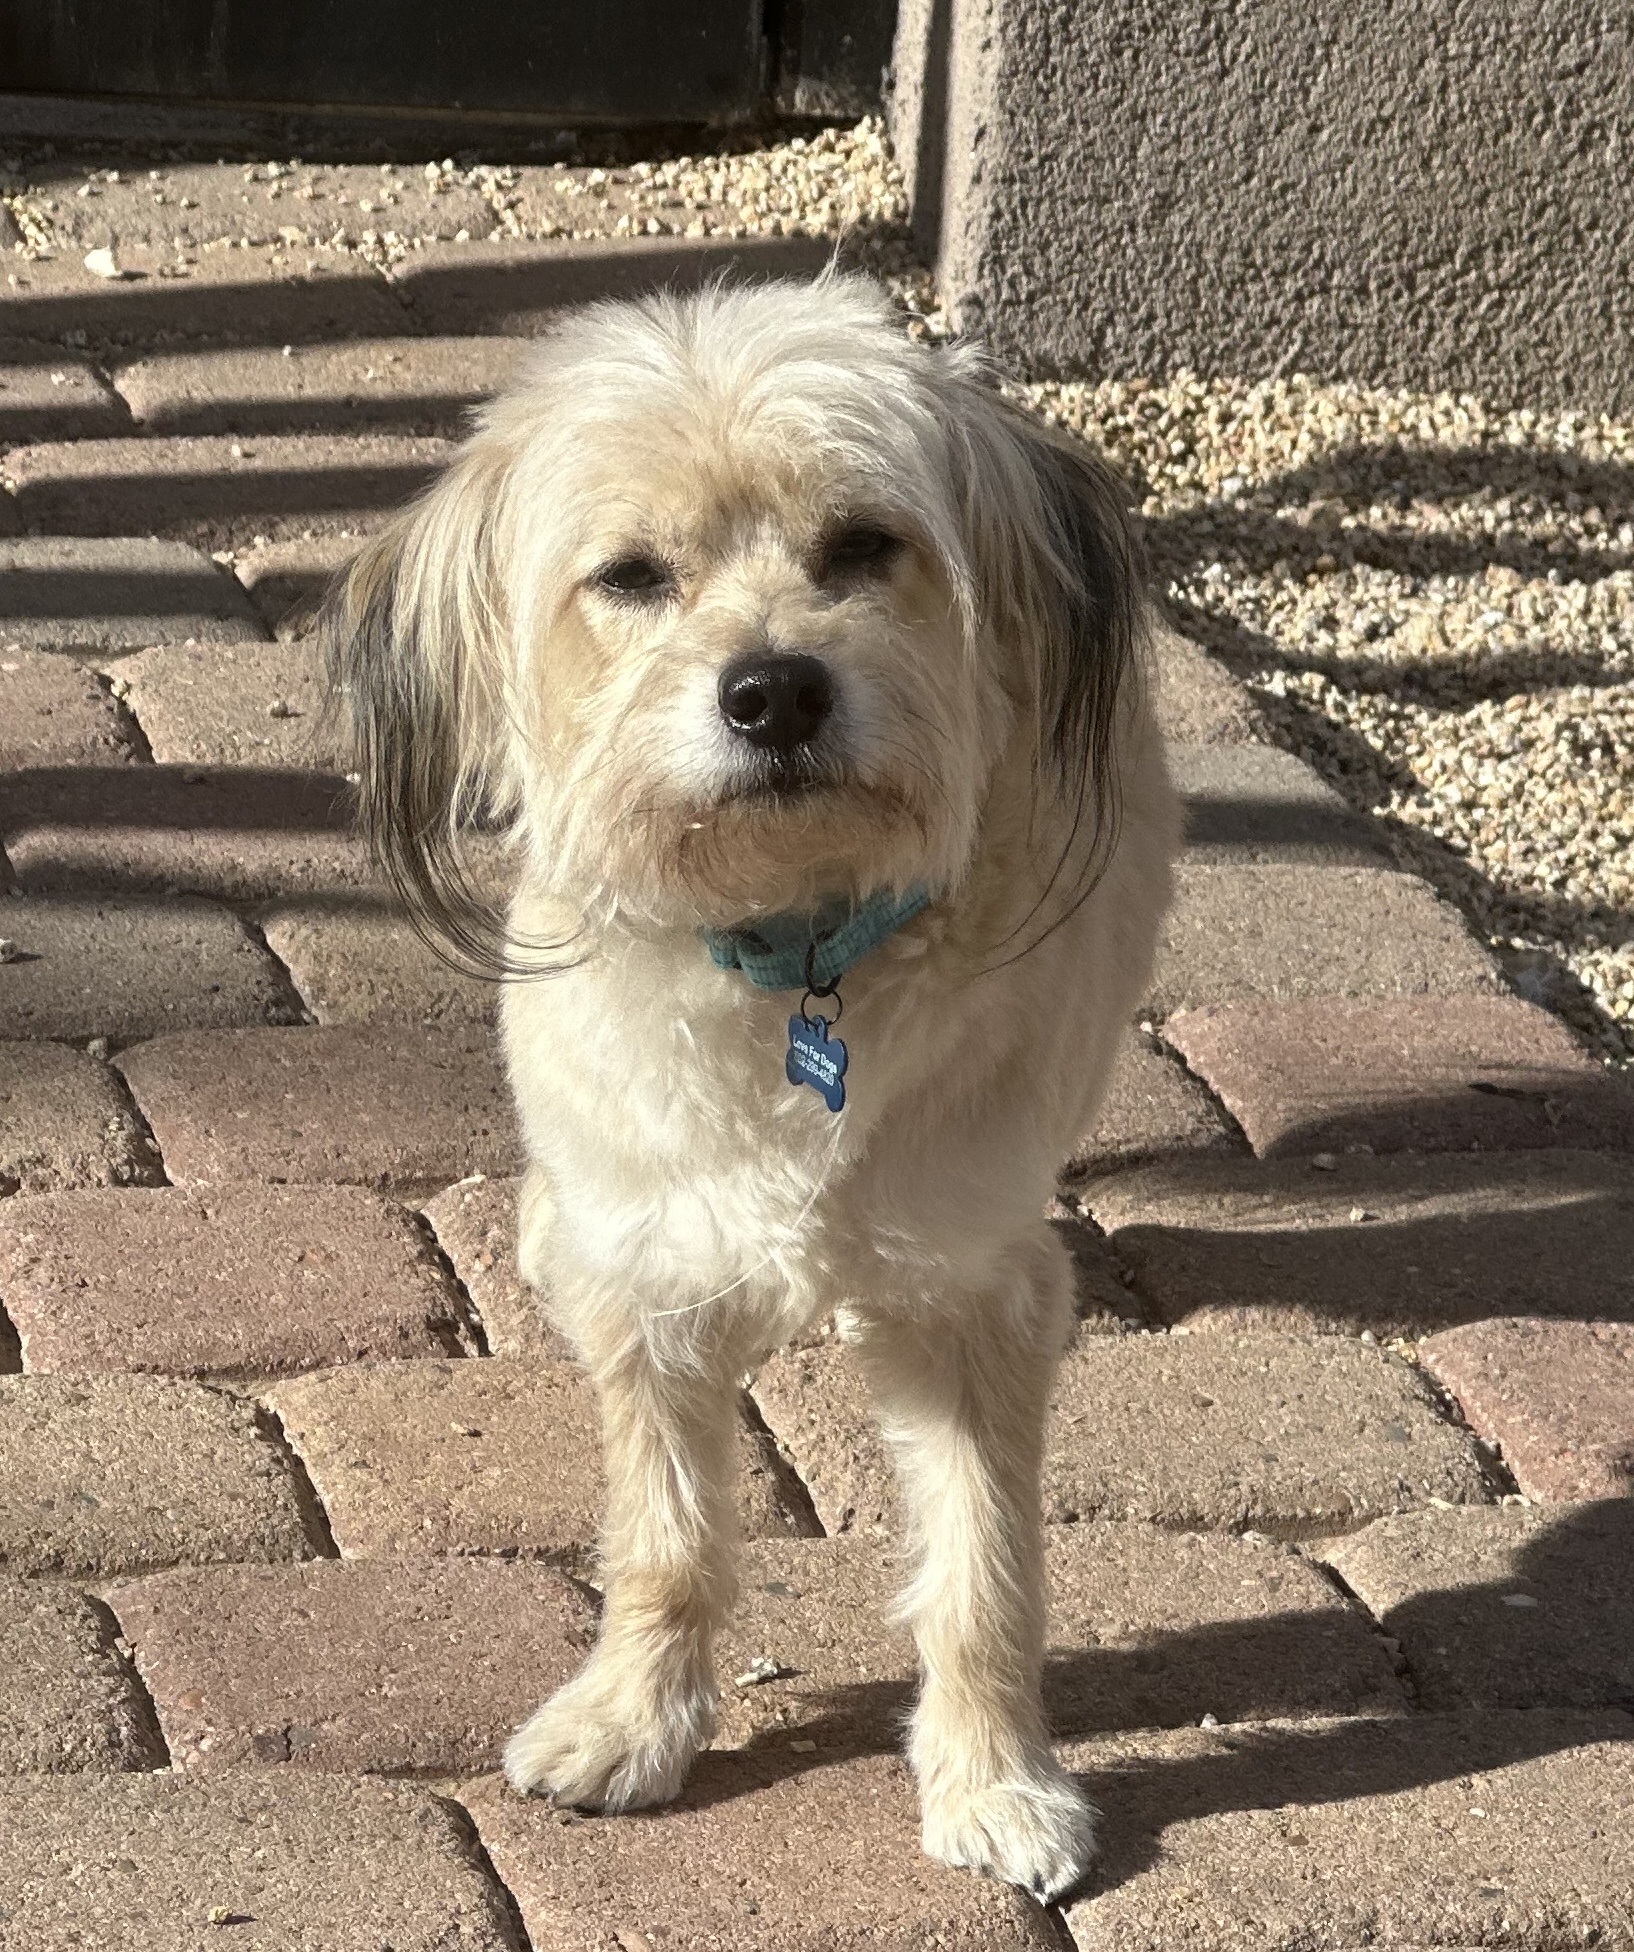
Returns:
<point x="1504" y="1608"/>
<point x="1569" y="1587"/>
<point x="65" y="591"/>
<point x="1312" y="1757"/>
<point x="232" y="832"/>
<point x="1290" y="1768"/>
<point x="1432" y="1241"/>
<point x="1369" y="779"/>
<point x="463" y="288"/>
<point x="1348" y="486"/>
<point x="871" y="1717"/>
<point x="211" y="499"/>
<point x="230" y="798"/>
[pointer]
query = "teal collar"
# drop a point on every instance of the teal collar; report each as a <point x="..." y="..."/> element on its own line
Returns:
<point x="773" y="952"/>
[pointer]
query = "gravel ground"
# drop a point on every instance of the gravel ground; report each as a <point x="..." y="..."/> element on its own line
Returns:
<point x="1434" y="604"/>
<point x="814" y="185"/>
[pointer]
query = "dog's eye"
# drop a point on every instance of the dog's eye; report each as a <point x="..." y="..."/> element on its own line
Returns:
<point x="859" y="549"/>
<point x="636" y="576"/>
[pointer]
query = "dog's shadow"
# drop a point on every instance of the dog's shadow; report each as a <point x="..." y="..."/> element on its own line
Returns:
<point x="1562" y="1655"/>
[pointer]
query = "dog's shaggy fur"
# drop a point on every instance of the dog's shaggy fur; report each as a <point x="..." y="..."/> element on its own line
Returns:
<point x="668" y="486"/>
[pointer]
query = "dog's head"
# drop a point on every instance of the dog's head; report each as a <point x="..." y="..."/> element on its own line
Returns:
<point x="736" y="603"/>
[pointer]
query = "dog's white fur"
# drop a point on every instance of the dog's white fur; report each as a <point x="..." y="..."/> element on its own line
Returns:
<point x="685" y="1209"/>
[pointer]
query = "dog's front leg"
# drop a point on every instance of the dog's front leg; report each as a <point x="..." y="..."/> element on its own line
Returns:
<point x="624" y="1730"/>
<point x="962" y="1397"/>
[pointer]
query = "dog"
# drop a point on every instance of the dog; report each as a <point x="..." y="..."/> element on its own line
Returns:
<point x="807" y="676"/>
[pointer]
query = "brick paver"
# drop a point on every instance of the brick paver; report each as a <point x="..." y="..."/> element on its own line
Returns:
<point x="240" y="834"/>
<point x="1556" y="1398"/>
<point x="247" y="1281"/>
<point x="1197" y="700"/>
<point x="1253" y="803"/>
<point x="66" y="1120"/>
<point x="502" y="1455"/>
<point x="780" y="1849"/>
<point x="1402" y="1245"/>
<point x="194" y="209"/>
<point x="358" y="960"/>
<point x="286" y="581"/>
<point x="518" y="287"/>
<point x="1295" y="1436"/>
<point x="266" y="295"/>
<point x="1153" y="1107"/>
<point x="411" y="386"/>
<point x="1298" y="1437"/>
<point x="1504" y="1609"/>
<point x="1150" y="1628"/>
<point x="245" y="704"/>
<point x="366" y="1105"/>
<point x="1514" y="1830"/>
<point x="68" y="1698"/>
<point x="166" y="1863"/>
<point x="53" y="396"/>
<point x="390" y="1666"/>
<point x="53" y="712"/>
<point x="1147" y="1629"/>
<point x="815" y="1405"/>
<point x="1423" y="1074"/>
<point x="475" y="1224"/>
<point x="105" y="594"/>
<point x="1281" y="930"/>
<point x="201" y="489"/>
<point x="819" y="1609"/>
<point x="104" y="966"/>
<point x="120" y="1474"/>
<point x="772" y="1503"/>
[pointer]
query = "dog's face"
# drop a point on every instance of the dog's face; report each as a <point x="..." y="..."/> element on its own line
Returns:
<point x="745" y="684"/>
<point x="737" y="603"/>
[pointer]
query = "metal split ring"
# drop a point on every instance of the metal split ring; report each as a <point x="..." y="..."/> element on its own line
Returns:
<point x="815" y="995"/>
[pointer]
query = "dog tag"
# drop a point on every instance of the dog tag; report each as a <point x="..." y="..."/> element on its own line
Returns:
<point x="817" y="1059"/>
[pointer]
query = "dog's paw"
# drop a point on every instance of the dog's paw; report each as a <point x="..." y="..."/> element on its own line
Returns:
<point x="584" y="1750"/>
<point x="1036" y="1830"/>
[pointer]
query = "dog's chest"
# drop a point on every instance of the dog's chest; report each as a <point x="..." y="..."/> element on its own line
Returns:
<point x="665" y="1118"/>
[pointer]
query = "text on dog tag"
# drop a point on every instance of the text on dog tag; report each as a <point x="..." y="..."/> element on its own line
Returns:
<point x="817" y="1059"/>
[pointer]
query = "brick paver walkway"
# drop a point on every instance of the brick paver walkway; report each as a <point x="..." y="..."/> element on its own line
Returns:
<point x="298" y="1490"/>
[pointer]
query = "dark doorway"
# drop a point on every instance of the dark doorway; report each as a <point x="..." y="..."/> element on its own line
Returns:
<point x="579" y="63"/>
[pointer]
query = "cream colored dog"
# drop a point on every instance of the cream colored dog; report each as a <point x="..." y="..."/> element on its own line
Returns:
<point x="752" y="616"/>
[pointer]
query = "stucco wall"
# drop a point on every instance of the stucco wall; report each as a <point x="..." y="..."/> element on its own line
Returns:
<point x="1433" y="192"/>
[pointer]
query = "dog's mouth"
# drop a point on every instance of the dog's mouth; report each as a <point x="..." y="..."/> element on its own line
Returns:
<point x="780" y="780"/>
<point x="764" y="838"/>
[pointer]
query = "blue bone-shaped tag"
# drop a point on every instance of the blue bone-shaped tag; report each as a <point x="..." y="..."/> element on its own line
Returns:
<point x="817" y="1059"/>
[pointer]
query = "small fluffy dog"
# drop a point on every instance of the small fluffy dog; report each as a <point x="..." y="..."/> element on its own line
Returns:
<point x="807" y="673"/>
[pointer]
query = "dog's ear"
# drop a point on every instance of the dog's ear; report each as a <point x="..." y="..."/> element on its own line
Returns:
<point x="415" y="639"/>
<point x="1059" y="578"/>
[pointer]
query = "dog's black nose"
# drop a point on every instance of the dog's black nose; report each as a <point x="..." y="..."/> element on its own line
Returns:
<point x="776" y="702"/>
